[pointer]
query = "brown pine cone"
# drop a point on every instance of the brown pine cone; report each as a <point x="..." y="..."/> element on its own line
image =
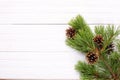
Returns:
<point x="98" y="40"/>
<point x="110" y="48"/>
<point x="92" y="57"/>
<point x="70" y="33"/>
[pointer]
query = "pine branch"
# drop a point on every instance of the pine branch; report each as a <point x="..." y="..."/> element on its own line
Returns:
<point x="109" y="68"/>
<point x="108" y="32"/>
<point x="78" y="23"/>
<point x="100" y="65"/>
<point x="82" y="40"/>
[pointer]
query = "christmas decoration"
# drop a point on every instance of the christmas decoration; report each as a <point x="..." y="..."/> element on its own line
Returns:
<point x="110" y="48"/>
<point x="92" y="57"/>
<point x="98" y="41"/>
<point x="95" y="45"/>
<point x="70" y="33"/>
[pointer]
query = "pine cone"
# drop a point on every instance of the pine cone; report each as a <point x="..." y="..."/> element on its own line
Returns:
<point x="110" y="48"/>
<point x="92" y="57"/>
<point x="70" y="33"/>
<point x="98" y="39"/>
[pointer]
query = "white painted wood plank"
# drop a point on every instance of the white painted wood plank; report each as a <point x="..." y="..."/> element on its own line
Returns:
<point x="32" y="38"/>
<point x="41" y="38"/>
<point x="35" y="65"/>
<point x="58" y="11"/>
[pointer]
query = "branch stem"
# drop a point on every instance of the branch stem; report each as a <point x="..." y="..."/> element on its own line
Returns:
<point x="109" y="68"/>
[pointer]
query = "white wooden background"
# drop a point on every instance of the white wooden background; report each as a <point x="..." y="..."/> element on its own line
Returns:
<point x="32" y="35"/>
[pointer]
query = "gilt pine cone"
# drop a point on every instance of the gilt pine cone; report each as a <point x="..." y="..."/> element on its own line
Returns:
<point x="92" y="57"/>
<point x="70" y="33"/>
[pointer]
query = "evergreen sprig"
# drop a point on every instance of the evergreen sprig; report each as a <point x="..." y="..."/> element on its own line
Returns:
<point x="96" y="45"/>
<point x="83" y="38"/>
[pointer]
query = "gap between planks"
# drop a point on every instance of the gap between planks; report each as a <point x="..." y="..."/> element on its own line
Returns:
<point x="58" y="24"/>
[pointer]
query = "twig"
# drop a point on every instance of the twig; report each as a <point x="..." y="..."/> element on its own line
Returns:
<point x="109" y="68"/>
